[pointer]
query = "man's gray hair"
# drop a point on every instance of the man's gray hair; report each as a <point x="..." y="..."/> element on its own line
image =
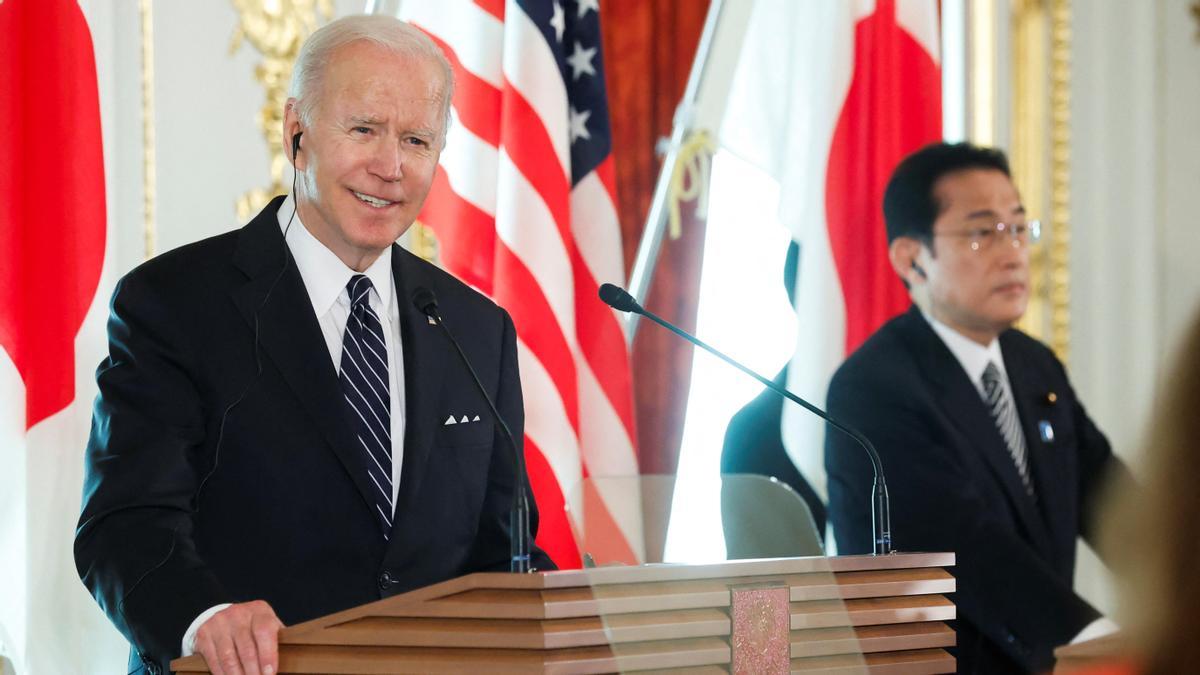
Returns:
<point x="386" y="31"/>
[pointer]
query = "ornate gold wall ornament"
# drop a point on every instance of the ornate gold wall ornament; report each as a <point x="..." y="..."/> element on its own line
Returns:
<point x="423" y="242"/>
<point x="276" y="28"/>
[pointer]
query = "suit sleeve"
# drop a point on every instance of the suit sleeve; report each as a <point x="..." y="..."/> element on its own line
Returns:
<point x="1098" y="466"/>
<point x="133" y="545"/>
<point x="492" y="547"/>
<point x="1005" y="589"/>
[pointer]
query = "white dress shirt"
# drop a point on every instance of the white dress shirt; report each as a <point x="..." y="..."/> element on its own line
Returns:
<point x="325" y="278"/>
<point x="972" y="356"/>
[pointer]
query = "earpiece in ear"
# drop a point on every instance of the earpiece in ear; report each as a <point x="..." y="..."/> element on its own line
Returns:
<point x="919" y="270"/>
<point x="296" y="144"/>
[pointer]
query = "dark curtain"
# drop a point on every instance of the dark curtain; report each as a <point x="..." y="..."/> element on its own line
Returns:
<point x="649" y="46"/>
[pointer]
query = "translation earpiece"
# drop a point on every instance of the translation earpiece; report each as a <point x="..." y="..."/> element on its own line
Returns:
<point x="919" y="270"/>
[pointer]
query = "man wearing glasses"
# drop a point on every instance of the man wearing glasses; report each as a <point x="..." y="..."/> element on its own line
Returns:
<point x="986" y="449"/>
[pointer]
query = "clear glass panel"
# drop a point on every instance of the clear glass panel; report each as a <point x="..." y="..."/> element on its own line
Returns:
<point x="658" y="518"/>
<point x="695" y="573"/>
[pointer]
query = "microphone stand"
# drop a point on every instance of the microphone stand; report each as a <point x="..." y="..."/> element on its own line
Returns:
<point x="518" y="518"/>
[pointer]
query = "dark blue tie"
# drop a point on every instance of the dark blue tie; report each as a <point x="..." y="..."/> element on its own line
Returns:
<point x="367" y="389"/>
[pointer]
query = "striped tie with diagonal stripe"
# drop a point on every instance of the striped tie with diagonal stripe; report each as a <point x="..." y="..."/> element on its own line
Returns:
<point x="365" y="384"/>
<point x="1004" y="413"/>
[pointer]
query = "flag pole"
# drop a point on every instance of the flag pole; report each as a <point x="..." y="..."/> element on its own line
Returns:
<point x="685" y="123"/>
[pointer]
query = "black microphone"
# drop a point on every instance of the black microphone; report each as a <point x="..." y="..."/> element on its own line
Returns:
<point x="518" y="521"/>
<point x="881" y="520"/>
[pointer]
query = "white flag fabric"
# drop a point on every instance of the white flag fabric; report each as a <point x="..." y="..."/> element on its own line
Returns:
<point x="827" y="97"/>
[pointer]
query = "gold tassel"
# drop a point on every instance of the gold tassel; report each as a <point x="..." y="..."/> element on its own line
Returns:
<point x="689" y="179"/>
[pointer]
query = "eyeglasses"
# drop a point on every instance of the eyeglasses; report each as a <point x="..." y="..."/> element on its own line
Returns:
<point x="983" y="238"/>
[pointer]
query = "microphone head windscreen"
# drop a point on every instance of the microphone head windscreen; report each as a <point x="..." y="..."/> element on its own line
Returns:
<point x="425" y="300"/>
<point x="618" y="298"/>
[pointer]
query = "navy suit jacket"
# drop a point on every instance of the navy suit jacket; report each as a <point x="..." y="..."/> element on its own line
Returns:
<point x="954" y="486"/>
<point x="223" y="468"/>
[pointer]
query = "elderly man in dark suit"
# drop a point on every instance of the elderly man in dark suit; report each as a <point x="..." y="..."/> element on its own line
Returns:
<point x="987" y="451"/>
<point x="280" y="433"/>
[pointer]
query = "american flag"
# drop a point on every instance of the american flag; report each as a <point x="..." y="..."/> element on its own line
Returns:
<point x="523" y="206"/>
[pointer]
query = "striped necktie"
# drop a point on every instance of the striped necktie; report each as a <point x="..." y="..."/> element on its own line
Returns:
<point x="1004" y="413"/>
<point x="365" y="384"/>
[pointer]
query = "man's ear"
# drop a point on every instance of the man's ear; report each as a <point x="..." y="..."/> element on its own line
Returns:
<point x="904" y="254"/>
<point x="291" y="127"/>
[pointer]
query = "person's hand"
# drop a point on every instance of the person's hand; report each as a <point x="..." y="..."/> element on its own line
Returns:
<point x="242" y="639"/>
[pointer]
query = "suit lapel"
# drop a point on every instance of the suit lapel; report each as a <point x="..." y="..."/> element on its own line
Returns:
<point x="289" y="335"/>
<point x="958" y="397"/>
<point x="1045" y="473"/>
<point x="425" y="352"/>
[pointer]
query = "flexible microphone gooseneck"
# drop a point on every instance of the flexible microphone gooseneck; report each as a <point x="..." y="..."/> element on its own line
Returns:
<point x="518" y="520"/>
<point x="881" y="521"/>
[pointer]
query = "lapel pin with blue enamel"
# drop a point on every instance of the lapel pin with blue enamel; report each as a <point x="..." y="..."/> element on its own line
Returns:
<point x="1045" y="429"/>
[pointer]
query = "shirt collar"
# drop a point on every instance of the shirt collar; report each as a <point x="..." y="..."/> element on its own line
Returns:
<point x="972" y="356"/>
<point x="324" y="274"/>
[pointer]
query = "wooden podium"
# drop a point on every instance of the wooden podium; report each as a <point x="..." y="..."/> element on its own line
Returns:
<point x="840" y="614"/>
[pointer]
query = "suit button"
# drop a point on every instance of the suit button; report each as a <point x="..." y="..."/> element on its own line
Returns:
<point x="385" y="581"/>
<point x="1016" y="643"/>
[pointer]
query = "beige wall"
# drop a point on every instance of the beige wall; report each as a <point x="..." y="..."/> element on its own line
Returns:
<point x="1135" y="197"/>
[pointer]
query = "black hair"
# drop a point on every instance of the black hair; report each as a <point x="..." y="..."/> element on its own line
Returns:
<point x="909" y="207"/>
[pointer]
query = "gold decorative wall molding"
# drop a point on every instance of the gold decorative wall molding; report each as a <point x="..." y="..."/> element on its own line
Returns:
<point x="276" y="28"/>
<point x="149" y="167"/>
<point x="1060" y="178"/>
<point x="1040" y="152"/>
<point x="422" y="241"/>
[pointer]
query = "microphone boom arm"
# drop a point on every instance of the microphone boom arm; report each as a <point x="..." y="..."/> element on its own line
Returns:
<point x="881" y="526"/>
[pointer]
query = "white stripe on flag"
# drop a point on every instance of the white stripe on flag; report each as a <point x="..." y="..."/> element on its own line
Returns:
<point x="476" y="48"/>
<point x="531" y="69"/>
<point x="605" y="442"/>
<point x="525" y="224"/>
<point x="546" y="420"/>
<point x="471" y="164"/>
<point x="597" y="230"/>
